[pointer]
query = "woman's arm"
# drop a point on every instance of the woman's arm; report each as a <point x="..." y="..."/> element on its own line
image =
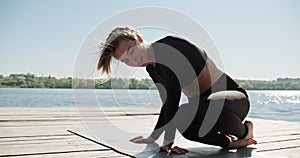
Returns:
<point x="159" y="127"/>
<point x="170" y="92"/>
<point x="173" y="94"/>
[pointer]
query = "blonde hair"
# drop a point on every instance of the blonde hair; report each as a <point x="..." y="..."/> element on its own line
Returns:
<point x="110" y="45"/>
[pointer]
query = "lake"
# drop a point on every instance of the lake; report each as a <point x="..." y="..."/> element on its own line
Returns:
<point x="274" y="105"/>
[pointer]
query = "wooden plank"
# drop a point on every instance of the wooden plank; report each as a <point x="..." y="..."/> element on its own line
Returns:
<point x="31" y="139"/>
<point x="70" y="153"/>
<point x="284" y="152"/>
<point x="11" y="111"/>
<point x="277" y="139"/>
<point x="42" y="132"/>
<point x="33" y="130"/>
<point x="47" y="145"/>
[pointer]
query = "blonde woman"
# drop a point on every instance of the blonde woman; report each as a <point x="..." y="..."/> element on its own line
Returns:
<point x="167" y="61"/>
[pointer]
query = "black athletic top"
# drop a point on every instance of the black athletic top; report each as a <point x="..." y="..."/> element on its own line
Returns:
<point x="178" y="62"/>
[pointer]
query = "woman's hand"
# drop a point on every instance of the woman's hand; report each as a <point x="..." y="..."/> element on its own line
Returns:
<point x="169" y="149"/>
<point x="141" y="139"/>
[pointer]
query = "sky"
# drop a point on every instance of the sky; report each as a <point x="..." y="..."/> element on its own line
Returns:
<point x="255" y="39"/>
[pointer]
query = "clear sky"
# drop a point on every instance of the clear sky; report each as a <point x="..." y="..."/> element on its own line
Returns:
<point x="256" y="39"/>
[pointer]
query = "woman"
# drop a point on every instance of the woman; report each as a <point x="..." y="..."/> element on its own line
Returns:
<point x="168" y="62"/>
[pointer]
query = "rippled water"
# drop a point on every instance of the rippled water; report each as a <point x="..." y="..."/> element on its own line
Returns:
<point x="276" y="105"/>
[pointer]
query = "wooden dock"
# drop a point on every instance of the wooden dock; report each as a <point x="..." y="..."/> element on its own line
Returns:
<point x="43" y="132"/>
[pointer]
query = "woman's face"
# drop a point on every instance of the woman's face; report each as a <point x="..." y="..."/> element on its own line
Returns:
<point x="131" y="53"/>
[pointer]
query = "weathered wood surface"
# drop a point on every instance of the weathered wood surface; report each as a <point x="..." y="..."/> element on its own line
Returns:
<point x="42" y="132"/>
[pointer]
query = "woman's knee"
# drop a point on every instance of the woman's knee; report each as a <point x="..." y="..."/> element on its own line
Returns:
<point x="239" y="107"/>
<point x="233" y="101"/>
<point x="227" y="95"/>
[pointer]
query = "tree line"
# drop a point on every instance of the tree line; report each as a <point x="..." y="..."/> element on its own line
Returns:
<point x="31" y="81"/>
<point x="278" y="84"/>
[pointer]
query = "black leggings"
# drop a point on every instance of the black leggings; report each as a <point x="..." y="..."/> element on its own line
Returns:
<point x="235" y="108"/>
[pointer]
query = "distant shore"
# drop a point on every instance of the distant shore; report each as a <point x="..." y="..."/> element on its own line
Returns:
<point x="31" y="81"/>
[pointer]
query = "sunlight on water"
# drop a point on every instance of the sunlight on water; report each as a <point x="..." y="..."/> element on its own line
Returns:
<point x="275" y="97"/>
<point x="275" y="105"/>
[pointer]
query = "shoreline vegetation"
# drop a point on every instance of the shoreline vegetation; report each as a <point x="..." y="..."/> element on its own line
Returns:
<point x="31" y="81"/>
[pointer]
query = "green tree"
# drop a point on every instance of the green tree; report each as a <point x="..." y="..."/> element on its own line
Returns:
<point x="31" y="81"/>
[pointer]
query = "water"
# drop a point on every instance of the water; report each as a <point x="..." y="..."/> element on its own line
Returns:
<point x="275" y="105"/>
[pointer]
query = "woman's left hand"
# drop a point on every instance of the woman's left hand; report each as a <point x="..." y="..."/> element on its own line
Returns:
<point x="169" y="149"/>
<point x="141" y="139"/>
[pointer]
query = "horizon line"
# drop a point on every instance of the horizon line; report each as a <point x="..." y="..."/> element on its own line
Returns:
<point x="60" y="77"/>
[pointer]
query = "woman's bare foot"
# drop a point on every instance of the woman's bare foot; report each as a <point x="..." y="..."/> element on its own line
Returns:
<point x="249" y="135"/>
<point x="240" y="143"/>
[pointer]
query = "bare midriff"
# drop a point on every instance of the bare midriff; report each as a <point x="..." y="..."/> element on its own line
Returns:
<point x="205" y="79"/>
